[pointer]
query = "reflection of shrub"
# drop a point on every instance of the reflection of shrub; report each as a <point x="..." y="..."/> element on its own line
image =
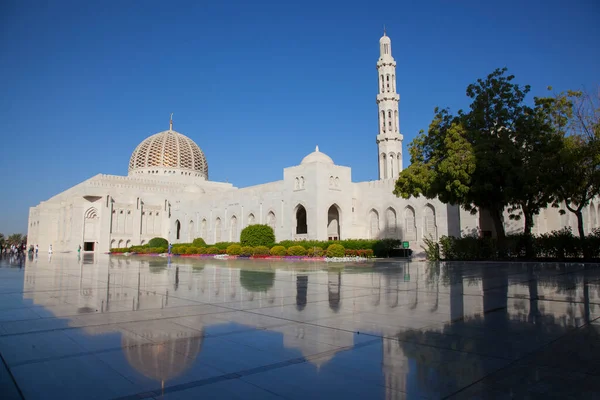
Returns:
<point x="296" y="251"/>
<point x="234" y="249"/>
<point x="212" y="250"/>
<point x="278" y="251"/>
<point x="335" y="250"/>
<point x="257" y="235"/>
<point x="315" y="251"/>
<point x="158" y="242"/>
<point x="257" y="281"/>
<point x="261" y="251"/>
<point x="247" y="251"/>
<point x="199" y="242"/>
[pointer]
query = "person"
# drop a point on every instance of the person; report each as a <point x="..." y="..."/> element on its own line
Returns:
<point x="36" y="249"/>
<point x="50" y="249"/>
<point x="170" y="247"/>
<point x="79" y="249"/>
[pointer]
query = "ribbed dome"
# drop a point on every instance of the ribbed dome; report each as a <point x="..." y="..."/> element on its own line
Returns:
<point x="317" y="156"/>
<point x="168" y="152"/>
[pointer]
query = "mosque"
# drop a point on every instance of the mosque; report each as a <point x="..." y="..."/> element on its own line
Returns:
<point x="167" y="193"/>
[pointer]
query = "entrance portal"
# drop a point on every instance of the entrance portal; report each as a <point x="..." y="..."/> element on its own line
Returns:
<point x="301" y="227"/>
<point x="333" y="223"/>
<point x="88" y="246"/>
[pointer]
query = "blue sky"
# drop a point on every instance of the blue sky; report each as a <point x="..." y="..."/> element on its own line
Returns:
<point x="256" y="84"/>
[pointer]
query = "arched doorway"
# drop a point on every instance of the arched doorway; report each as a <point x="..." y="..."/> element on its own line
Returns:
<point x="91" y="229"/>
<point x="373" y="224"/>
<point x="333" y="223"/>
<point x="177" y="229"/>
<point x="301" y="226"/>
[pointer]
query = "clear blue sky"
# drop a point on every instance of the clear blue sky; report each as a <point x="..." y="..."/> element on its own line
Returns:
<point x="256" y="84"/>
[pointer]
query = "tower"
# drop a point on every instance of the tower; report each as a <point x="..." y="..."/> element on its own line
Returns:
<point x="389" y="139"/>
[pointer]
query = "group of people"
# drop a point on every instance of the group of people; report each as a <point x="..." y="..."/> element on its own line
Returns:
<point x="13" y="249"/>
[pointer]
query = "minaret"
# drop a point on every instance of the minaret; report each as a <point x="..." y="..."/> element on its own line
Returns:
<point x="389" y="139"/>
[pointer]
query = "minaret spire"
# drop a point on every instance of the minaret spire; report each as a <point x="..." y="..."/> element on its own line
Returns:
<point x="171" y="122"/>
<point x="389" y="139"/>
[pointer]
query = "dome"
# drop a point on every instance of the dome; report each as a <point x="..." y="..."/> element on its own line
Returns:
<point x="166" y="153"/>
<point x="317" y="156"/>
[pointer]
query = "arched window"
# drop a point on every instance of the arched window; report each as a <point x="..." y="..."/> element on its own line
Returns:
<point x="389" y="121"/>
<point x="301" y="225"/>
<point x="393" y="83"/>
<point x="382" y="84"/>
<point x="233" y="229"/>
<point x="387" y="82"/>
<point x="331" y="181"/>
<point x="382" y="120"/>
<point x="391" y="223"/>
<point x="392" y="165"/>
<point x="297" y="183"/>
<point x="204" y="229"/>
<point x="191" y="231"/>
<point x="271" y="220"/>
<point x="373" y="224"/>
<point x="250" y="219"/>
<point x="410" y="230"/>
<point x="301" y="182"/>
<point x="384" y="166"/>
<point x="396" y="120"/>
<point x="177" y="229"/>
<point x="429" y="224"/>
<point x="217" y="230"/>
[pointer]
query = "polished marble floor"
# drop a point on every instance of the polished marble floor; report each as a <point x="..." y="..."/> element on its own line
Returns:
<point x="101" y="327"/>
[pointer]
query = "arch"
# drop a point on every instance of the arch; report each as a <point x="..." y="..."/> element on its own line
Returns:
<point x="337" y="181"/>
<point x="191" y="231"/>
<point x="333" y="223"/>
<point x="142" y="242"/>
<point x="177" y="229"/>
<point x="373" y="224"/>
<point x="113" y="243"/>
<point x="271" y="220"/>
<point x="593" y="221"/>
<point x="383" y="166"/>
<point x="382" y="120"/>
<point x="392" y="161"/>
<point x="410" y="228"/>
<point x="391" y="223"/>
<point x="128" y="243"/>
<point x="301" y="182"/>
<point x="251" y="219"/>
<point x="233" y="231"/>
<point x="331" y="181"/>
<point x="120" y="246"/>
<point x="297" y="183"/>
<point x="217" y="230"/>
<point x="91" y="213"/>
<point x="396" y="122"/>
<point x="204" y="229"/>
<point x="91" y="227"/>
<point x="429" y="223"/>
<point x="301" y="225"/>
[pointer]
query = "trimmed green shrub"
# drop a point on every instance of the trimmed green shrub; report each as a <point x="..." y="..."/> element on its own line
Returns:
<point x="199" y="242"/>
<point x="335" y="250"/>
<point x="278" y="251"/>
<point x="247" y="251"/>
<point x="191" y="250"/>
<point x="179" y="250"/>
<point x="212" y="250"/>
<point x="261" y="251"/>
<point x="234" y="250"/>
<point x="296" y="251"/>
<point x="222" y="245"/>
<point x="158" y="242"/>
<point x="201" y="250"/>
<point x="315" y="252"/>
<point x="257" y="235"/>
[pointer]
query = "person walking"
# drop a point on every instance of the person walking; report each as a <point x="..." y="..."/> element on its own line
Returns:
<point x="50" y="249"/>
<point x="37" y="248"/>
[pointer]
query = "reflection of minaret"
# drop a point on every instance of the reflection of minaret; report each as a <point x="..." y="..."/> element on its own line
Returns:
<point x="301" y="291"/>
<point x="392" y="283"/>
<point x="333" y="288"/>
<point x="176" y="278"/>
<point x="395" y="368"/>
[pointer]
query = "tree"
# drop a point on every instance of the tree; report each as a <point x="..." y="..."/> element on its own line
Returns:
<point x="472" y="159"/>
<point x="575" y="116"/>
<point x="15" y="238"/>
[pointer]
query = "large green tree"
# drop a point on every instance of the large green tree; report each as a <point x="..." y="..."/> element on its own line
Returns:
<point x="474" y="159"/>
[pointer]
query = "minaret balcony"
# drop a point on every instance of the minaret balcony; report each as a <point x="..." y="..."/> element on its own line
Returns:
<point x="387" y="96"/>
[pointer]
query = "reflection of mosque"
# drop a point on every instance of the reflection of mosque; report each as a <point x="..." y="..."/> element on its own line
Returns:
<point x="414" y="292"/>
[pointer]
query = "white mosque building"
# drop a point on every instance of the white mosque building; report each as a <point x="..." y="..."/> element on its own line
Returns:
<point x="167" y="193"/>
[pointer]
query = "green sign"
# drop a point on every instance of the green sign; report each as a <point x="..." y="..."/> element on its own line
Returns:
<point x="405" y="245"/>
<point x="406" y="277"/>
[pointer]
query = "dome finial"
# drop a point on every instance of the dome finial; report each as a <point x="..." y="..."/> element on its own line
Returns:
<point x="384" y="34"/>
<point x="171" y="122"/>
<point x="317" y="149"/>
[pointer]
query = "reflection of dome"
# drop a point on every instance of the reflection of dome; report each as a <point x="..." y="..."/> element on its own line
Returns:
<point x="317" y="156"/>
<point x="161" y="362"/>
<point x="168" y="153"/>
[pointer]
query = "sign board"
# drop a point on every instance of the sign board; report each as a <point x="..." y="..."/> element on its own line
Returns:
<point x="406" y="277"/>
<point x="405" y="245"/>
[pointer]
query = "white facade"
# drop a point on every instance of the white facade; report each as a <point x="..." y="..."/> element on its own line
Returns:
<point x="167" y="194"/>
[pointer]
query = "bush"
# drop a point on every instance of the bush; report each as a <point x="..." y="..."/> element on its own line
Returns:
<point x="278" y="251"/>
<point x="431" y="248"/>
<point x="199" y="242"/>
<point x="158" y="242"/>
<point x="296" y="251"/>
<point x="335" y="250"/>
<point x="223" y="245"/>
<point x="261" y="251"/>
<point x="179" y="250"/>
<point x="315" y="251"/>
<point x="247" y="251"/>
<point x="234" y="249"/>
<point x="212" y="250"/>
<point x="257" y="235"/>
<point x="191" y="250"/>
<point x="200" y="250"/>
<point x="119" y="250"/>
<point x="384" y="247"/>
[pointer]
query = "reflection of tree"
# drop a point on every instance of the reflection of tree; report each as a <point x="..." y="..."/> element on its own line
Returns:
<point x="157" y="266"/>
<point x="257" y="281"/>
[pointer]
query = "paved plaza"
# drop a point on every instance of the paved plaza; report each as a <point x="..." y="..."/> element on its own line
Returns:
<point x="102" y="327"/>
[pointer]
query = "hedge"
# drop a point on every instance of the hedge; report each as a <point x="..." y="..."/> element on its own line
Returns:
<point x="257" y="235"/>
